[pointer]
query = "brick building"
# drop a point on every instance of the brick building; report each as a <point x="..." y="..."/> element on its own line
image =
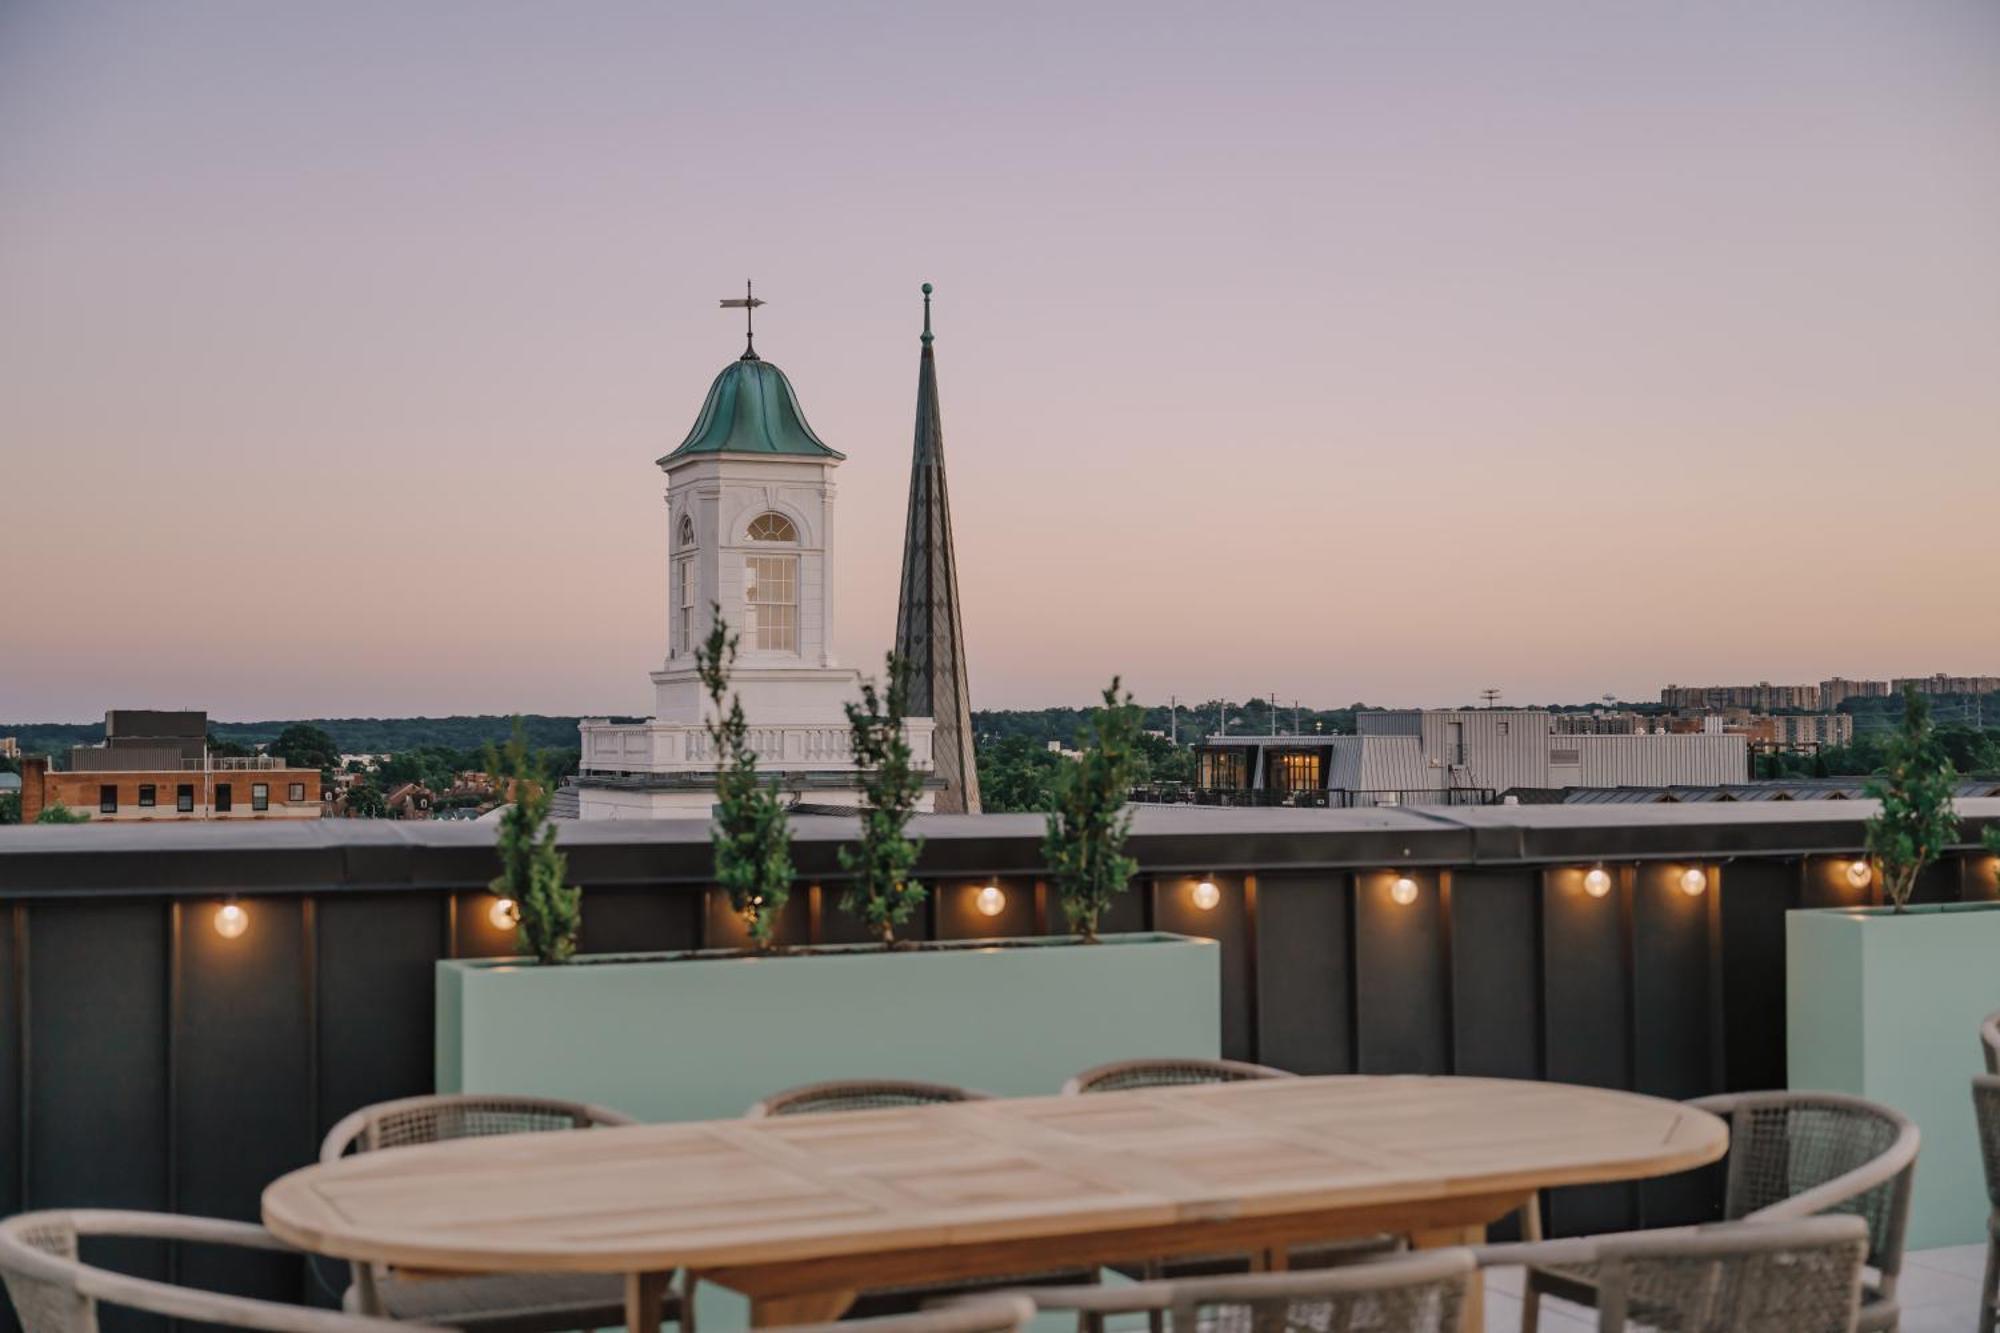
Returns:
<point x="156" y="765"/>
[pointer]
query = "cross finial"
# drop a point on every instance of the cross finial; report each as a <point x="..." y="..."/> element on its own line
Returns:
<point x="927" y="314"/>
<point x="749" y="304"/>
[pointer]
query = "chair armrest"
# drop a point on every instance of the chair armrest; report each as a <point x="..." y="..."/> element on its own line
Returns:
<point x="1137" y="1298"/>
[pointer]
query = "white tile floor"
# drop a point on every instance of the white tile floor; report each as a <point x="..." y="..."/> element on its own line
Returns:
<point x="1940" y="1294"/>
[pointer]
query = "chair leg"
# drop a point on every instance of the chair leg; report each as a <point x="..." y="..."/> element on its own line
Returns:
<point x="1989" y="1291"/>
<point x="1156" y="1320"/>
<point x="688" y="1283"/>
<point x="1531" y="1217"/>
<point x="1531" y="1305"/>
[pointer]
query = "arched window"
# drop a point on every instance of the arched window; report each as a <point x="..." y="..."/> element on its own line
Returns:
<point x="687" y="530"/>
<point x="773" y="528"/>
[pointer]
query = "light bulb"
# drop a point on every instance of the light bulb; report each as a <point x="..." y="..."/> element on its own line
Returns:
<point x="1693" y="880"/>
<point x="1860" y="874"/>
<point x="231" y="921"/>
<point x="1206" y="895"/>
<point x="1404" y="890"/>
<point x="1597" y="881"/>
<point x="504" y="914"/>
<point x="990" y="901"/>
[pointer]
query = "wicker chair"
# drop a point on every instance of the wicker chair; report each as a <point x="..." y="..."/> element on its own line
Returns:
<point x="54" y="1292"/>
<point x="1794" y="1155"/>
<point x="1127" y="1074"/>
<point x="986" y="1314"/>
<point x="1986" y="1104"/>
<point x="1989" y="1042"/>
<point x="494" y="1302"/>
<point x="1732" y="1277"/>
<point x="859" y="1095"/>
<point x="1412" y="1293"/>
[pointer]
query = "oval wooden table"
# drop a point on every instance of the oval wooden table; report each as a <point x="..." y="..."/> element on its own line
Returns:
<point x="799" y="1213"/>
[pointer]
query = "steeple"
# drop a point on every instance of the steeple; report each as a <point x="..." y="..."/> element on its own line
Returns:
<point x="929" y="636"/>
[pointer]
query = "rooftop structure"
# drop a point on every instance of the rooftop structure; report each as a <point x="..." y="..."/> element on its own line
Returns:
<point x="930" y="636"/>
<point x="157" y="766"/>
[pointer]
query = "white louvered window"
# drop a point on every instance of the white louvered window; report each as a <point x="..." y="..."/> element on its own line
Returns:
<point x="683" y="606"/>
<point x="771" y="603"/>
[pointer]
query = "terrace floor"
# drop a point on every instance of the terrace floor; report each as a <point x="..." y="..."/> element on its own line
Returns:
<point x="1940" y="1294"/>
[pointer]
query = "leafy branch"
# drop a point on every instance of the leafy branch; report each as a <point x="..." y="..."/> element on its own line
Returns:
<point x="753" y="836"/>
<point x="883" y="863"/>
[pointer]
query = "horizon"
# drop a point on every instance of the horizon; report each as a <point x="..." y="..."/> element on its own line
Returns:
<point x="1383" y="354"/>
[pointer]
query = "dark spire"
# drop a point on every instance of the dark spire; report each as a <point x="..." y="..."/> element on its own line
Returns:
<point x="929" y="636"/>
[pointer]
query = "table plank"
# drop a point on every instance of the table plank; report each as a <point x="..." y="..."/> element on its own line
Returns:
<point x="786" y="1192"/>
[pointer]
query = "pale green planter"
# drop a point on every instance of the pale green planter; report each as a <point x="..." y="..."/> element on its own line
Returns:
<point x="1888" y="1007"/>
<point x="701" y="1036"/>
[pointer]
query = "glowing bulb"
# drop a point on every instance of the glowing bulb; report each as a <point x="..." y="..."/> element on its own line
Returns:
<point x="504" y="914"/>
<point x="231" y="921"/>
<point x="1404" y="890"/>
<point x="1860" y="874"/>
<point x="1693" y="880"/>
<point x="1206" y="895"/>
<point x="990" y="901"/>
<point x="1597" y="881"/>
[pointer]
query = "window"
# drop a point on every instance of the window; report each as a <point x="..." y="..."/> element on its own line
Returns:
<point x="296" y="792"/>
<point x="771" y="603"/>
<point x="148" y="796"/>
<point x="1223" y="768"/>
<point x="107" y="799"/>
<point x="260" y="796"/>
<point x="184" y="798"/>
<point x="772" y="528"/>
<point x="687" y="532"/>
<point x="684" y="606"/>
<point x="1294" y="770"/>
<point x="223" y="798"/>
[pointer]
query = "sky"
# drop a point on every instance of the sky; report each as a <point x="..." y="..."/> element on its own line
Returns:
<point x="1344" y="352"/>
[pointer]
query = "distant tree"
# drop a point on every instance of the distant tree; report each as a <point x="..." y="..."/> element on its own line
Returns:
<point x="884" y="862"/>
<point x="532" y="871"/>
<point x="1088" y="821"/>
<point x="222" y="749"/>
<point x="753" y="836"/>
<point x="303" y="745"/>
<point x="58" y="813"/>
<point x="365" y="801"/>
<point x="1015" y="774"/>
<point x="1916" y="822"/>
<point x="10" y="808"/>
<point x="9" y="764"/>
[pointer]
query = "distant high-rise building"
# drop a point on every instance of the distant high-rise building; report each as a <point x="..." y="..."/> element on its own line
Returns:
<point x="1836" y="690"/>
<point x="1763" y="696"/>
<point x="1943" y="684"/>
<point x="930" y="637"/>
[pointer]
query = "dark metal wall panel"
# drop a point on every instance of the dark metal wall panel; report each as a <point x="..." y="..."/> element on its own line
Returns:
<point x="1496" y="973"/>
<point x="1671" y="1012"/>
<point x="724" y="929"/>
<point x="1755" y="896"/>
<point x="377" y="980"/>
<point x="1402" y="994"/>
<point x="242" y="1066"/>
<point x="96" y="1073"/>
<point x="1227" y="923"/>
<point x="1305" y="1017"/>
<point x="1586" y="1021"/>
<point x="956" y="907"/>
<point x="640" y="920"/>
<point x="12" y="979"/>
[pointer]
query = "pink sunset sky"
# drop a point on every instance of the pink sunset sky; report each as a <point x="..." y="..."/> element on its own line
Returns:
<point x="1349" y="352"/>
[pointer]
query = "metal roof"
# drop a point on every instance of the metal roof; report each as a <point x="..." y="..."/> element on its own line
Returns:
<point x="751" y="409"/>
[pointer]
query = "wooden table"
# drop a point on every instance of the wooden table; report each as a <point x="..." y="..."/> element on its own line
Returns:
<point x="799" y="1213"/>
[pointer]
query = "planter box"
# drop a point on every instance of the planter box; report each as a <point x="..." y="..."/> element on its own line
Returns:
<point x="701" y="1036"/>
<point x="1888" y="1007"/>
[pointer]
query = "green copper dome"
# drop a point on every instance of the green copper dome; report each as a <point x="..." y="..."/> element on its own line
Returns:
<point x="751" y="409"/>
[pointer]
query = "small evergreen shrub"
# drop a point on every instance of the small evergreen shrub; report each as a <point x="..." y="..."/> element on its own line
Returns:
<point x="884" y="862"/>
<point x="1916" y="822"/>
<point x="1088" y="821"/>
<point x="548" y="912"/>
<point x="753" y="835"/>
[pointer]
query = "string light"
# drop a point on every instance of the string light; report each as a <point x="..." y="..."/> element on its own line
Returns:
<point x="1404" y="890"/>
<point x="1597" y="881"/>
<point x="231" y="921"/>
<point x="504" y="914"/>
<point x="1693" y="880"/>
<point x="1206" y="895"/>
<point x="990" y="901"/>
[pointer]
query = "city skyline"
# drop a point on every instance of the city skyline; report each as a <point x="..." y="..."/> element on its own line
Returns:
<point x="1357" y="355"/>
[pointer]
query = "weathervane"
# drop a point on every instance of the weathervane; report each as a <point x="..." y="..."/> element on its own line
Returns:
<point x="748" y="305"/>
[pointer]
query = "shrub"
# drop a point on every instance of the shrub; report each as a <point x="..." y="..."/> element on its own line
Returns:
<point x="753" y="837"/>
<point x="1088" y="821"/>
<point x="1916" y="822"/>
<point x="548" y="912"/>
<point x="884" y="862"/>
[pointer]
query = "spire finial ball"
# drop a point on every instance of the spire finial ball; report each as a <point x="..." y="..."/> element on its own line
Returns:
<point x="927" y="289"/>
